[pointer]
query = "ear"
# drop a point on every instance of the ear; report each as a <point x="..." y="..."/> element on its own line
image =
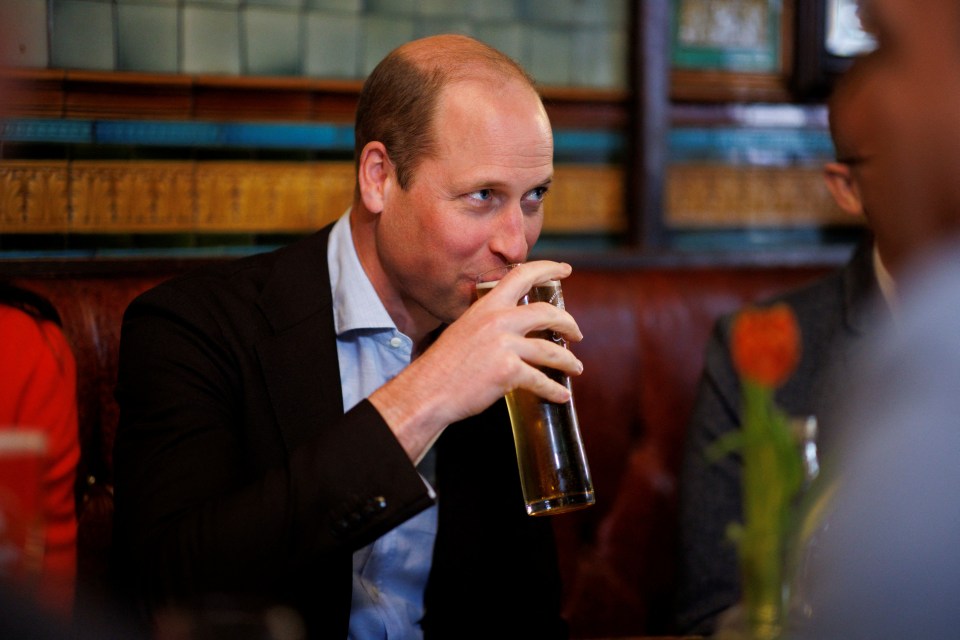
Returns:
<point x="373" y="174"/>
<point x="843" y="187"/>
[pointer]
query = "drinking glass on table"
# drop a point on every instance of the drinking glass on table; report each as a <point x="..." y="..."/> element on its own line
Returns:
<point x="554" y="473"/>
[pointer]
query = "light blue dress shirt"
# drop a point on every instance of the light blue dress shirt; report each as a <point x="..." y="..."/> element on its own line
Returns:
<point x="390" y="575"/>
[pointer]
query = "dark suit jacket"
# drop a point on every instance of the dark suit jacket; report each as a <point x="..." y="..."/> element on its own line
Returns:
<point x="238" y="473"/>
<point x="833" y="314"/>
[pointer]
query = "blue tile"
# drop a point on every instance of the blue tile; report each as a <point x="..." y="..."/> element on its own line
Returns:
<point x="147" y="38"/>
<point x="150" y="133"/>
<point x="757" y="147"/>
<point x="289" y="136"/>
<point x="42" y="130"/>
<point x="82" y="35"/>
<point x="581" y="145"/>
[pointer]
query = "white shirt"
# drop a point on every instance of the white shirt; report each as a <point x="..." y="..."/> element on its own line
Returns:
<point x="390" y="575"/>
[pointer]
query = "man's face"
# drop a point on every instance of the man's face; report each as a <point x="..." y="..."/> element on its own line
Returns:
<point x="862" y="118"/>
<point x="474" y="205"/>
<point x="910" y="171"/>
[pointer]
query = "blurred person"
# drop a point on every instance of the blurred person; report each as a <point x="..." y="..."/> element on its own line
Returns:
<point x="321" y="427"/>
<point x="894" y="120"/>
<point x="877" y="555"/>
<point x="39" y="392"/>
<point x="876" y="559"/>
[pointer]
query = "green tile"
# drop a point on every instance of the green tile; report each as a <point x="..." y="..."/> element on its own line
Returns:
<point x="147" y="38"/>
<point x="272" y="40"/>
<point x="211" y="40"/>
<point x="82" y="35"/>
<point x="381" y="35"/>
<point x="333" y="45"/>
<point x="345" y="6"/>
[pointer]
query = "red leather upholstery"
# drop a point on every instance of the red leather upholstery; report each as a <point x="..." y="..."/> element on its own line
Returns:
<point x="91" y="305"/>
<point x="645" y="330"/>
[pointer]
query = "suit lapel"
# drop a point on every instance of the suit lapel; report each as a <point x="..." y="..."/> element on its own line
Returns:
<point x="299" y="359"/>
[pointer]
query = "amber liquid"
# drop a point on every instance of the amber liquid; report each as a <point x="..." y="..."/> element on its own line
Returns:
<point x="554" y="473"/>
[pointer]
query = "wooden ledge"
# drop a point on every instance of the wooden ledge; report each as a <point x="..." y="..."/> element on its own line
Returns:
<point x="52" y="93"/>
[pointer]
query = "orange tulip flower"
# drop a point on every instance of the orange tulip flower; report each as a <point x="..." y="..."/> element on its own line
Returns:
<point x="766" y="344"/>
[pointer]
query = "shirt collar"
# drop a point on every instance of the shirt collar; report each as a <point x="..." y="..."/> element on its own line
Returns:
<point x="888" y="287"/>
<point x="356" y="304"/>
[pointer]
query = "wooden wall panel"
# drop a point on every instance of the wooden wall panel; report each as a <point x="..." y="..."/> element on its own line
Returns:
<point x="293" y="197"/>
<point x="33" y="196"/>
<point x="718" y="195"/>
<point x="188" y="196"/>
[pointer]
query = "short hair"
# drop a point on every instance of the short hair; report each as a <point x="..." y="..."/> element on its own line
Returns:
<point x="398" y="102"/>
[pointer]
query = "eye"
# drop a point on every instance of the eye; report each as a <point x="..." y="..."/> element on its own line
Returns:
<point x="537" y="194"/>
<point x="481" y="195"/>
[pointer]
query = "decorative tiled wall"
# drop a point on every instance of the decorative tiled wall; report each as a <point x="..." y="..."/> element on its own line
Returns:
<point x="561" y="42"/>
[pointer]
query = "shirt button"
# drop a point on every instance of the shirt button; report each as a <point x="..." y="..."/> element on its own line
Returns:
<point x="395" y="342"/>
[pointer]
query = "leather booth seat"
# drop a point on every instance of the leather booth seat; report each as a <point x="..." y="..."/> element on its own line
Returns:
<point x="645" y="328"/>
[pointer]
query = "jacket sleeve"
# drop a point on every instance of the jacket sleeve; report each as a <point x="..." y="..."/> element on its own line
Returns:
<point x="212" y="495"/>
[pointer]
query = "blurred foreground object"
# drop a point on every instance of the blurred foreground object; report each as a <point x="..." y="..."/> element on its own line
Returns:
<point x="881" y="558"/>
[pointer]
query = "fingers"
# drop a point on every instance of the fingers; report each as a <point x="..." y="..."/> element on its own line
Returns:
<point x="550" y="386"/>
<point x="536" y="316"/>
<point x="538" y="366"/>
<point x="543" y="316"/>
<point x="523" y="277"/>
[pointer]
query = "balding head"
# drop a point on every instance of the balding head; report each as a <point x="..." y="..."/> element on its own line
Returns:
<point x="399" y="99"/>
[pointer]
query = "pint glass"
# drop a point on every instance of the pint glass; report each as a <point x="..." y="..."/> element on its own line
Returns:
<point x="554" y="474"/>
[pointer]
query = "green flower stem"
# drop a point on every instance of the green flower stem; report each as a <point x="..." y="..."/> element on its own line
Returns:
<point x="772" y="476"/>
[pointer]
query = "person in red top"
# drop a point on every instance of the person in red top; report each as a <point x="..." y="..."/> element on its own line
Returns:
<point x="39" y="390"/>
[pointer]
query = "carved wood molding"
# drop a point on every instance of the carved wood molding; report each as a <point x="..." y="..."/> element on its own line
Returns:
<point x="90" y="196"/>
<point x="710" y="195"/>
<point x="44" y="196"/>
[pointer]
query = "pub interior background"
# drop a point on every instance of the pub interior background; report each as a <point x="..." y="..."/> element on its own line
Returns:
<point x="685" y="129"/>
<point x="139" y="138"/>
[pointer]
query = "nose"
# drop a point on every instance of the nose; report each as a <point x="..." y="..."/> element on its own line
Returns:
<point x="508" y="239"/>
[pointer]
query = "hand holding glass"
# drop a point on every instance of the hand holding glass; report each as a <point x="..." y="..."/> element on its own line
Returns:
<point x="554" y="473"/>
